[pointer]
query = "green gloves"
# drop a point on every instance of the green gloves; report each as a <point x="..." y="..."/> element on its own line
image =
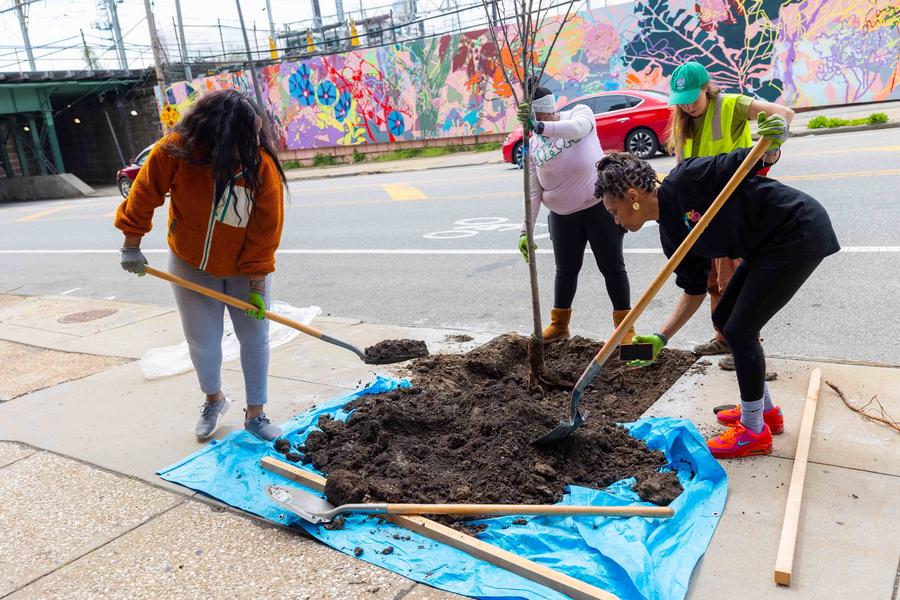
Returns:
<point x="257" y="299"/>
<point x="774" y="128"/>
<point x="523" y="247"/>
<point x="524" y="115"/>
<point x="656" y="340"/>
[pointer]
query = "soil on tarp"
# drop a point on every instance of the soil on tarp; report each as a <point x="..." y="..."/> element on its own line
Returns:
<point x="390" y="350"/>
<point x="464" y="431"/>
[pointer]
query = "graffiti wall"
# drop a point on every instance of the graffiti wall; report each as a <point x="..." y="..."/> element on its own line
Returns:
<point x="798" y="52"/>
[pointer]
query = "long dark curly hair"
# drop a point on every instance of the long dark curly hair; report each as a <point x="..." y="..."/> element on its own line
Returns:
<point x="226" y="131"/>
<point x="619" y="171"/>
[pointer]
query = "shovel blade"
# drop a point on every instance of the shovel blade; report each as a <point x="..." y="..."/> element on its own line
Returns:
<point x="389" y="360"/>
<point x="308" y="507"/>
<point x="563" y="430"/>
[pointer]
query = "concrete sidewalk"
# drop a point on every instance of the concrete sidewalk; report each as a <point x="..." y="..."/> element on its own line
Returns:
<point x="84" y="515"/>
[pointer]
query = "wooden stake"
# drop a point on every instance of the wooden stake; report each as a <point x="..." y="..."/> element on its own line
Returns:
<point x="482" y="550"/>
<point x="784" y="561"/>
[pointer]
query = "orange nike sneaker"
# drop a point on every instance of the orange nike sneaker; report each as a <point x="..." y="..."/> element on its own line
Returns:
<point x="773" y="418"/>
<point x="739" y="441"/>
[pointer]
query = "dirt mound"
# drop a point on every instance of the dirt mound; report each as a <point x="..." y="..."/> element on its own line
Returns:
<point x="463" y="432"/>
<point x="389" y="350"/>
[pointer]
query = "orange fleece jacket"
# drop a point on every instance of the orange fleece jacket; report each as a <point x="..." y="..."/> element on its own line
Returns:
<point x="239" y="237"/>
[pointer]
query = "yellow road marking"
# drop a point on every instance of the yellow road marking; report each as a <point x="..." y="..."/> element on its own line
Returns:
<point x="403" y="192"/>
<point x="44" y="213"/>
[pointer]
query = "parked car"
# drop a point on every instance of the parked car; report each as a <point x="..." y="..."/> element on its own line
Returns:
<point x="632" y="120"/>
<point x="125" y="176"/>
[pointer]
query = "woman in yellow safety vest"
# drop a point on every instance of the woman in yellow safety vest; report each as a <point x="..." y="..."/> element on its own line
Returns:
<point x="705" y="122"/>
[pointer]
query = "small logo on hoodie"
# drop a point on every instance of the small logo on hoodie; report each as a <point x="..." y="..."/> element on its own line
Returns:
<point x="690" y="218"/>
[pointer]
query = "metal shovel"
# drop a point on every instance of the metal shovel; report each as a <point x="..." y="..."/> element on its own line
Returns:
<point x="374" y="359"/>
<point x="576" y="419"/>
<point x="314" y="509"/>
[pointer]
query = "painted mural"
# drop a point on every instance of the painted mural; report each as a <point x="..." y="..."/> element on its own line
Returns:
<point x="798" y="52"/>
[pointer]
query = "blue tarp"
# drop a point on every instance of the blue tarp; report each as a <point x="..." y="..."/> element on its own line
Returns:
<point x="634" y="558"/>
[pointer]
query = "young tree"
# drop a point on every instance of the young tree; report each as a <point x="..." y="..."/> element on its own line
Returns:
<point x="524" y="39"/>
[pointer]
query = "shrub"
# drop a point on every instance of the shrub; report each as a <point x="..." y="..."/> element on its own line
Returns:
<point x="358" y="156"/>
<point x="324" y="160"/>
<point x="290" y="164"/>
<point x="876" y="118"/>
<point x="817" y="122"/>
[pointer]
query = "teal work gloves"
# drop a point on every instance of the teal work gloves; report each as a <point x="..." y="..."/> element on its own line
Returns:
<point x="656" y="340"/>
<point x="523" y="247"/>
<point x="133" y="260"/>
<point x="257" y="299"/>
<point x="774" y="128"/>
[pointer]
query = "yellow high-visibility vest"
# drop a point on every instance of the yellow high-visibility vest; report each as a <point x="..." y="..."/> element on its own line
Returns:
<point x="715" y="137"/>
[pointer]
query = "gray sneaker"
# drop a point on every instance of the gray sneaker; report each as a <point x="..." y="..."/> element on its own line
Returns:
<point x="210" y="415"/>
<point x="727" y="364"/>
<point x="261" y="427"/>
<point x="713" y="346"/>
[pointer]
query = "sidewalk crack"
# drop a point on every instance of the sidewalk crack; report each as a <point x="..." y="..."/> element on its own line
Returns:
<point x="92" y="550"/>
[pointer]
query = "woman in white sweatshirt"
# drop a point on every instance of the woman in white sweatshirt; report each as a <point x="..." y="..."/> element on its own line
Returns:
<point x="564" y="153"/>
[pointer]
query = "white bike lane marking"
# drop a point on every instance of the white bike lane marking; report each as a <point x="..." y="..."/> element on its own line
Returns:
<point x="465" y="228"/>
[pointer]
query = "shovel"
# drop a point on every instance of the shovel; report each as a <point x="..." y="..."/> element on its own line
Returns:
<point x="576" y="418"/>
<point x="314" y="509"/>
<point x="367" y="357"/>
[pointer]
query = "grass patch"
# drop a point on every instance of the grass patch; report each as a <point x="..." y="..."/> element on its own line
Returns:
<point x="437" y="151"/>
<point x="324" y="160"/>
<point x="822" y="122"/>
<point x="327" y="160"/>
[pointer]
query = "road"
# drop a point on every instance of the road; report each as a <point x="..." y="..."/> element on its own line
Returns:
<point x="437" y="248"/>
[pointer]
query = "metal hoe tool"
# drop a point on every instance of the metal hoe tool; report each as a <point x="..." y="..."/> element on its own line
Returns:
<point x="275" y="317"/>
<point x="314" y="509"/>
<point x="576" y="418"/>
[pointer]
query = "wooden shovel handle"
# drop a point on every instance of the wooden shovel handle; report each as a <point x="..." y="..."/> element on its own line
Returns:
<point x="759" y="148"/>
<point x="200" y="289"/>
<point x="528" y="509"/>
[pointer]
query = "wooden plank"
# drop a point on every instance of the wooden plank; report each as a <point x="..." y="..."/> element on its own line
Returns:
<point x="482" y="550"/>
<point x="784" y="561"/>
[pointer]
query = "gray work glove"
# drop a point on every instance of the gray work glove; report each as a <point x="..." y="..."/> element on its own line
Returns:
<point x="133" y="260"/>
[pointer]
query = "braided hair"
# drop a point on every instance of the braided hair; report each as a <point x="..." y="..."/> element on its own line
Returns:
<point x="619" y="171"/>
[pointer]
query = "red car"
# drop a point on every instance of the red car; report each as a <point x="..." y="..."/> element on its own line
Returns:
<point x="126" y="174"/>
<point x="632" y="120"/>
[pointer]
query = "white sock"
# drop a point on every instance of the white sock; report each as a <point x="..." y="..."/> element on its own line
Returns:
<point x="767" y="398"/>
<point x="752" y="415"/>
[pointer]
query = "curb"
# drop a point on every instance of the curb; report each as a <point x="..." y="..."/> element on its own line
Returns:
<point x="833" y="130"/>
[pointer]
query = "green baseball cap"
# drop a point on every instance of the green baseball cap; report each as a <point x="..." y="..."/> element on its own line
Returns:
<point x="685" y="83"/>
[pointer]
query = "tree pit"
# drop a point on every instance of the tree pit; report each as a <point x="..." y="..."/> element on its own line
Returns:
<point x="464" y="431"/>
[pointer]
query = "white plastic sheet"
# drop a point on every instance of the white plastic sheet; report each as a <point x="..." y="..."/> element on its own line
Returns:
<point x="172" y="360"/>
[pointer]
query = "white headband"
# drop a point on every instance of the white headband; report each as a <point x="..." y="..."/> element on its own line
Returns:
<point x="547" y="104"/>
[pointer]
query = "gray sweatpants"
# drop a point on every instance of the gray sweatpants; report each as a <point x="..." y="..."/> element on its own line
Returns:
<point x="202" y="319"/>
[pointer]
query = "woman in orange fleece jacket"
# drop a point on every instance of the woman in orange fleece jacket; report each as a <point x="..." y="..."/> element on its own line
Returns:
<point x="225" y="219"/>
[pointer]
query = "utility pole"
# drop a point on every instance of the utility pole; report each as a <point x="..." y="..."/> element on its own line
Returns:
<point x="339" y="9"/>
<point x="259" y="101"/>
<point x="24" y="27"/>
<point x="272" y="38"/>
<point x="117" y="34"/>
<point x="157" y="52"/>
<point x="87" y="53"/>
<point x="317" y="19"/>
<point x="222" y="39"/>
<point x="184" y="53"/>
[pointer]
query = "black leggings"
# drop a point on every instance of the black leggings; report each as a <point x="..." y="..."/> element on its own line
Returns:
<point x="570" y="235"/>
<point x="752" y="297"/>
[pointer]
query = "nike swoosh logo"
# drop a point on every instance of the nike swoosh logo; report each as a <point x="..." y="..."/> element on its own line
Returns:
<point x="743" y="443"/>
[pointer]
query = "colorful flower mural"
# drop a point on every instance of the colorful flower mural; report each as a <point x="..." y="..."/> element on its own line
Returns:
<point x="798" y="52"/>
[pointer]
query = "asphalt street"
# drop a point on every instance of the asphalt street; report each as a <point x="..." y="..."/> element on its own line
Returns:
<point x="437" y="248"/>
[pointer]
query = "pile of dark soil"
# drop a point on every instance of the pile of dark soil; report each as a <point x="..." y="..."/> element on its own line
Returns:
<point x="391" y="350"/>
<point x="464" y="431"/>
